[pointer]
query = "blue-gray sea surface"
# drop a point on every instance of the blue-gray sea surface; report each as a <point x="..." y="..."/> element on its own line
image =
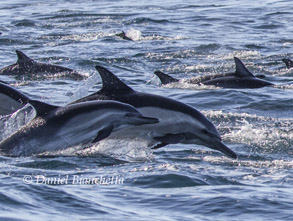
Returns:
<point x="177" y="182"/>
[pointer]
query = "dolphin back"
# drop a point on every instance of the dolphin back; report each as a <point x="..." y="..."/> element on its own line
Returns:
<point x="165" y="78"/>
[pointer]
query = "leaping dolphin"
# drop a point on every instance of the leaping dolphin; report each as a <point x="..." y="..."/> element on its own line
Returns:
<point x="178" y="122"/>
<point x="27" y="66"/>
<point x="56" y="128"/>
<point x="241" y="78"/>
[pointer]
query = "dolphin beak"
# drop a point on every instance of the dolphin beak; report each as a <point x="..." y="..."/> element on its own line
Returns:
<point x="218" y="145"/>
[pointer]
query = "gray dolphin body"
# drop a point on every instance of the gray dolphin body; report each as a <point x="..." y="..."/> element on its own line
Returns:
<point x="56" y="128"/>
<point x="178" y="122"/>
<point x="241" y="78"/>
<point x="26" y="66"/>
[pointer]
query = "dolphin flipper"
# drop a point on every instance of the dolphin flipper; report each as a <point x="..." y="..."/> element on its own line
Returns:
<point x="241" y="70"/>
<point x="165" y="79"/>
<point x="288" y="62"/>
<point x="104" y="133"/>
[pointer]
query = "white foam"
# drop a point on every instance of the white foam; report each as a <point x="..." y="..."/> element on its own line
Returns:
<point x="84" y="87"/>
<point x="9" y="124"/>
<point x="269" y="134"/>
<point x="134" y="34"/>
<point x="128" y="150"/>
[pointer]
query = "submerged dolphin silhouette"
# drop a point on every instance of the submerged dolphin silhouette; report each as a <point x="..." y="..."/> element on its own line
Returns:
<point x="178" y="122"/>
<point x="241" y="78"/>
<point x="27" y="66"/>
<point x="56" y="128"/>
<point x="288" y="62"/>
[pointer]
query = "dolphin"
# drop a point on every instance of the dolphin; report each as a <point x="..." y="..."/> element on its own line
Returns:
<point x="56" y="128"/>
<point x="165" y="78"/>
<point x="288" y="62"/>
<point x="123" y="36"/>
<point x="241" y="78"/>
<point x="178" y="122"/>
<point x="27" y="66"/>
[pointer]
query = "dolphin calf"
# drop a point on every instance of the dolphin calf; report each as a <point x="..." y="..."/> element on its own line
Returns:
<point x="56" y="128"/>
<point x="288" y="63"/>
<point x="241" y="78"/>
<point x="178" y="122"/>
<point x="27" y="66"/>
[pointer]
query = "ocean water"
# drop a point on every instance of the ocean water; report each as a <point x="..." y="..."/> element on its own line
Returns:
<point x="177" y="182"/>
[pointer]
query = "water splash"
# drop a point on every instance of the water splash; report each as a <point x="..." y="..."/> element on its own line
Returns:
<point x="85" y="37"/>
<point x="84" y="87"/>
<point x="130" y="150"/>
<point x="122" y="149"/>
<point x="134" y="34"/>
<point x="185" y="85"/>
<point x="11" y="123"/>
<point x="270" y="135"/>
<point x="137" y="35"/>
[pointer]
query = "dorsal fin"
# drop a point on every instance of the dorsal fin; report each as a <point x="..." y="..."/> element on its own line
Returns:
<point x="104" y="133"/>
<point x="288" y="62"/>
<point x="11" y="99"/>
<point x="13" y="93"/>
<point x="21" y="57"/>
<point x="241" y="70"/>
<point x="110" y="81"/>
<point x="123" y="36"/>
<point x="165" y="78"/>
<point x="42" y="108"/>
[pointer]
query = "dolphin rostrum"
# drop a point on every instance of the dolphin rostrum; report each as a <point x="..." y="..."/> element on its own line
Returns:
<point x="178" y="122"/>
<point x="56" y="128"/>
<point x="241" y="78"/>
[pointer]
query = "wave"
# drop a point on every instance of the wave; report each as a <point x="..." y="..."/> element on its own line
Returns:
<point x="265" y="134"/>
